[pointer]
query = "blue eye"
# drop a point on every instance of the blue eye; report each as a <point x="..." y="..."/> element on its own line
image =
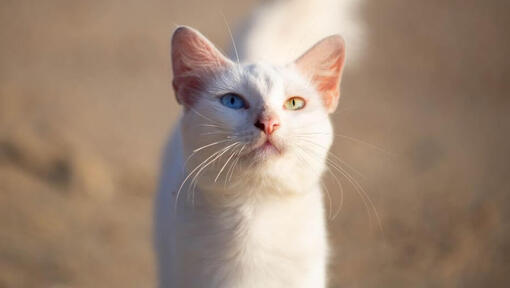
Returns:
<point x="233" y="101"/>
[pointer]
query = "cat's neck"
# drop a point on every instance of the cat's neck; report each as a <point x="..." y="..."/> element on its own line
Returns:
<point x="245" y="196"/>
<point x="254" y="215"/>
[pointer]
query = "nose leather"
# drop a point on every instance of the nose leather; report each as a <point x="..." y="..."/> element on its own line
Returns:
<point x="268" y="124"/>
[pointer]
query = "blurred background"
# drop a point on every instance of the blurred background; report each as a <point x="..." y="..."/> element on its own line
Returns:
<point x="86" y="105"/>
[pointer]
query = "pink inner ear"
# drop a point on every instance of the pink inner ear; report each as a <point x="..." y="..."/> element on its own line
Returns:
<point x="186" y="89"/>
<point x="194" y="61"/>
<point x="323" y="63"/>
<point x="329" y="85"/>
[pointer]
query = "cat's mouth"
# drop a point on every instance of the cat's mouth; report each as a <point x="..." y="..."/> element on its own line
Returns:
<point x="265" y="147"/>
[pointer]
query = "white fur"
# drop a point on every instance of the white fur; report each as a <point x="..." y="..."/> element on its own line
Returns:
<point x="238" y="219"/>
<point x="280" y="30"/>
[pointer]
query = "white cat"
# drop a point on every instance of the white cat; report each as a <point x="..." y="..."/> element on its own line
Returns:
<point x="240" y="201"/>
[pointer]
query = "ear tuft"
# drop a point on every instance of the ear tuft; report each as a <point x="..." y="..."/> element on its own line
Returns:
<point x="194" y="61"/>
<point x="323" y="64"/>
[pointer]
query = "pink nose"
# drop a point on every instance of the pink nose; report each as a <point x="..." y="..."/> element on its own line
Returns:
<point x="268" y="125"/>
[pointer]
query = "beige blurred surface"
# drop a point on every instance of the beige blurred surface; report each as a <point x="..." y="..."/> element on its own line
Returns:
<point x="85" y="106"/>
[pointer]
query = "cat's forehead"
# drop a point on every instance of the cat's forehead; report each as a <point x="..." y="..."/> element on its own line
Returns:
<point x="261" y="72"/>
<point x="264" y="80"/>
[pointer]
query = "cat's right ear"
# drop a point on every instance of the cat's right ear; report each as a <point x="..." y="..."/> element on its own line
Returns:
<point x="323" y="65"/>
<point x="195" y="60"/>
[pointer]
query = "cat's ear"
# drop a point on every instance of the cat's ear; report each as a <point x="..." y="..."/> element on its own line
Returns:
<point x="323" y="65"/>
<point x="194" y="61"/>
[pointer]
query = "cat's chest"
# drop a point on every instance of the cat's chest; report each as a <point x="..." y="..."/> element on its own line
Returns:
<point x="246" y="242"/>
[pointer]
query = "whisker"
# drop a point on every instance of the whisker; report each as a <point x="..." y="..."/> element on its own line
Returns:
<point x="223" y="151"/>
<point x="330" y="153"/>
<point x="209" y="145"/>
<point x="339" y="183"/>
<point x="232" y="167"/>
<point x="225" y="165"/>
<point x="199" y="114"/>
<point x="367" y="201"/>
<point x="216" y="133"/>
<point x="194" y="181"/>
<point x="238" y="157"/>
<point x="330" y="201"/>
<point x="375" y="147"/>
<point x="203" y="147"/>
<point x="364" y="193"/>
<point x="210" y="125"/>
<point x="359" y="141"/>
<point x="189" y="175"/>
<point x="327" y="191"/>
<point x="231" y="37"/>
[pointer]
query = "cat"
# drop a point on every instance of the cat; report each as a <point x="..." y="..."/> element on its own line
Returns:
<point x="240" y="202"/>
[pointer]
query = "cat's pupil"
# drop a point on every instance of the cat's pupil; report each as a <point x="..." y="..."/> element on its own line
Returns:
<point x="232" y="100"/>
<point x="293" y="102"/>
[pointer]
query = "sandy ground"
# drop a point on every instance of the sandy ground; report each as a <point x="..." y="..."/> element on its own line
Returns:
<point x="85" y="107"/>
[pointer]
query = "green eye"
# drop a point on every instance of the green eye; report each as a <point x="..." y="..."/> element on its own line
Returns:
<point x="294" y="103"/>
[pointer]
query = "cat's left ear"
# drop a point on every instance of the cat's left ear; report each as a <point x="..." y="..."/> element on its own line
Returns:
<point x="323" y="65"/>
<point x="195" y="60"/>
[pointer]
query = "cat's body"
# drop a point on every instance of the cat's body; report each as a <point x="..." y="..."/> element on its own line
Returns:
<point x="270" y="242"/>
<point x="240" y="199"/>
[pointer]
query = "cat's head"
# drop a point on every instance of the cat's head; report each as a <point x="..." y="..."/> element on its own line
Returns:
<point x="256" y="124"/>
